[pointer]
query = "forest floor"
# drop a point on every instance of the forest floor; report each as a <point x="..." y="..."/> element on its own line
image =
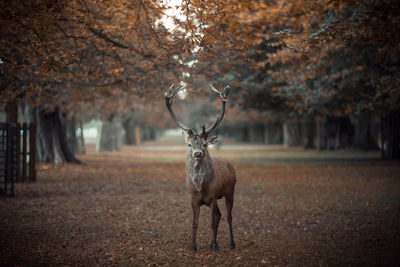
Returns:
<point x="130" y="208"/>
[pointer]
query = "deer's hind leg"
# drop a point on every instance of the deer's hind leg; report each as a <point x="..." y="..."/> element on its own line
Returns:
<point x="229" y="206"/>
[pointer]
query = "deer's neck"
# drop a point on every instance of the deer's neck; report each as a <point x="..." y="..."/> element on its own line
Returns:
<point x="199" y="173"/>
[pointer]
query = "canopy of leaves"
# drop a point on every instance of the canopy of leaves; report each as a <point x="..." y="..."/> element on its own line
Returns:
<point x="301" y="56"/>
<point x="61" y="52"/>
<point x="296" y="56"/>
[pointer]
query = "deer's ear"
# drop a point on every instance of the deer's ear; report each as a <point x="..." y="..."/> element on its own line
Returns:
<point x="212" y="140"/>
<point x="185" y="136"/>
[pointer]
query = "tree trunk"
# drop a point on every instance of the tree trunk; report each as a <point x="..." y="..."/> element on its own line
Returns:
<point x="320" y="133"/>
<point x="363" y="135"/>
<point x="80" y="138"/>
<point x="106" y="139"/>
<point x="292" y="133"/>
<point x="267" y="133"/>
<point x="147" y="133"/>
<point x="129" y="131"/>
<point x="144" y="133"/>
<point x="339" y="132"/>
<point x="70" y="132"/>
<point x="256" y="134"/>
<point x="286" y="134"/>
<point x="308" y="132"/>
<point x="67" y="149"/>
<point x="337" y="136"/>
<point x="109" y="137"/>
<point x="152" y="135"/>
<point x="51" y="138"/>
<point x="12" y="112"/>
<point x="240" y="133"/>
<point x="391" y="135"/>
<point x="245" y="134"/>
<point x="273" y="133"/>
<point x="136" y="136"/>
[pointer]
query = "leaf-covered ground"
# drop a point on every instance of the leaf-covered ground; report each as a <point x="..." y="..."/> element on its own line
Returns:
<point x="131" y="208"/>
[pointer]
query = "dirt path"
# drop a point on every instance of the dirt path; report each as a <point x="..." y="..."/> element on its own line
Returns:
<point x="131" y="209"/>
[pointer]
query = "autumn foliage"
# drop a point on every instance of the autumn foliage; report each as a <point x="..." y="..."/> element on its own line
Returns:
<point x="318" y="58"/>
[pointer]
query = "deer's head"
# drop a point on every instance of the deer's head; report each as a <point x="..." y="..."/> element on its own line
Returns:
<point x="197" y="143"/>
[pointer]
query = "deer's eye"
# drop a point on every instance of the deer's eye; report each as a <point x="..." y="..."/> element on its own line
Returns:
<point x="204" y="145"/>
<point x="189" y="145"/>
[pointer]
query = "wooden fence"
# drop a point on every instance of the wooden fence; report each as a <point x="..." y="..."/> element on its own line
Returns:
<point x="17" y="155"/>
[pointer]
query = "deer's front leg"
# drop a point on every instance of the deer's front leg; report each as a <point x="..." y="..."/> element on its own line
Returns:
<point x="196" y="213"/>
<point x="215" y="217"/>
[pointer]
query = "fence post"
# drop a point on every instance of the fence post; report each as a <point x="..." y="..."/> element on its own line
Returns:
<point x="32" y="152"/>
<point x="3" y="155"/>
<point x="9" y="168"/>
<point x="24" y="149"/>
<point x="7" y="160"/>
<point x="17" y="151"/>
<point x="14" y="158"/>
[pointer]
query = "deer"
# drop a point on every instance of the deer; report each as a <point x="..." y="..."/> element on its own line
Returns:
<point x="208" y="179"/>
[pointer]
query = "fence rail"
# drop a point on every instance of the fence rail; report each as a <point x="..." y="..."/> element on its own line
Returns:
<point x="17" y="155"/>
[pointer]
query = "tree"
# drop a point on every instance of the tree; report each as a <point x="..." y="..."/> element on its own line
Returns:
<point x="61" y="53"/>
<point x="304" y="57"/>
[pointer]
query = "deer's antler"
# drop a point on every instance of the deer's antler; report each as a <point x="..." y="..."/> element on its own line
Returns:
<point x="223" y="95"/>
<point x="168" y="101"/>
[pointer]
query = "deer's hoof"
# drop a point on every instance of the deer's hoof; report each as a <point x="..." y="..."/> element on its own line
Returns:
<point x="193" y="248"/>
<point x="214" y="246"/>
<point x="232" y="245"/>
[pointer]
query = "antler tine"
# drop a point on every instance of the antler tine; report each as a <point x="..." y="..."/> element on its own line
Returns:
<point x="168" y="102"/>
<point x="171" y="92"/>
<point x="223" y="96"/>
<point x="214" y="89"/>
<point x="203" y="129"/>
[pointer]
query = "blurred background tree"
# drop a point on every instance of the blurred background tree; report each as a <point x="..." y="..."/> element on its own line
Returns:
<point x="317" y="74"/>
<point x="333" y="66"/>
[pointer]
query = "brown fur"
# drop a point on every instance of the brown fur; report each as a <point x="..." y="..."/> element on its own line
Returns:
<point x="207" y="179"/>
<point x="217" y="179"/>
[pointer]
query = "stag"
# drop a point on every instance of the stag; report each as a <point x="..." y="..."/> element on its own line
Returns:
<point x="208" y="179"/>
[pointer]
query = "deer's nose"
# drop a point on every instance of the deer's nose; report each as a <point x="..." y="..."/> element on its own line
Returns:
<point x="197" y="154"/>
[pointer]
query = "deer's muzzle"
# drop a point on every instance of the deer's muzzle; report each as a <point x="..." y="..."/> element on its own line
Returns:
<point x="197" y="154"/>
